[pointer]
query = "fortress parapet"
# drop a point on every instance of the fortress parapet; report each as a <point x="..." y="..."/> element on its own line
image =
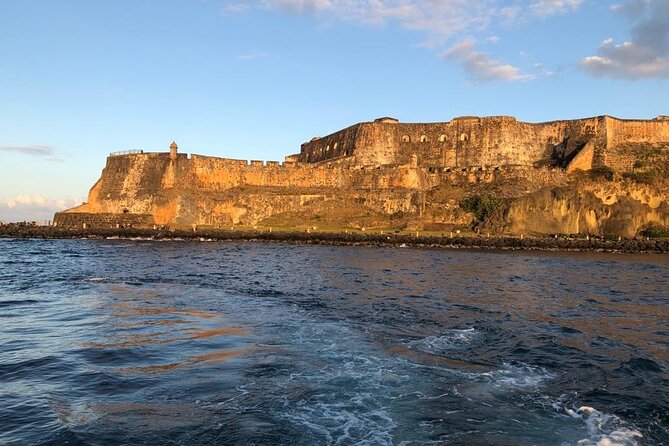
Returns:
<point x="126" y="152"/>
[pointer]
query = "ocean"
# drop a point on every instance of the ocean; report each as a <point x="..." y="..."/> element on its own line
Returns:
<point x="122" y="342"/>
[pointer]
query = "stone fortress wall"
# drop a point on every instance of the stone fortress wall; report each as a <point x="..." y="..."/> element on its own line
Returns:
<point x="490" y="141"/>
<point x="106" y="220"/>
<point x="383" y="162"/>
<point x="624" y="138"/>
<point x="131" y="183"/>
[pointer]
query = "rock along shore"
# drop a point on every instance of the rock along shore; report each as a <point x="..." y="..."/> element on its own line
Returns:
<point x="350" y="239"/>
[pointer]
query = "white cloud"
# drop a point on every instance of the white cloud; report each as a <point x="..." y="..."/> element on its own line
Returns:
<point x="253" y="56"/>
<point x="438" y="21"/>
<point x="646" y="55"/>
<point x="547" y="8"/>
<point x="480" y="66"/>
<point x="46" y="152"/>
<point x="233" y="8"/>
<point x="437" y="18"/>
<point x="28" y="207"/>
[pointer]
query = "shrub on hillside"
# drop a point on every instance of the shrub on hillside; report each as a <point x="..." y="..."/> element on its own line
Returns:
<point x="601" y="173"/>
<point x="482" y="205"/>
<point x="646" y="177"/>
<point x="655" y="231"/>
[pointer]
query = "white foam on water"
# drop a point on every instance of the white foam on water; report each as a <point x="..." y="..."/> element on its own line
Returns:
<point x="602" y="429"/>
<point x="517" y="376"/>
<point x="449" y="340"/>
<point x="341" y="393"/>
<point x="117" y="245"/>
<point x="607" y="430"/>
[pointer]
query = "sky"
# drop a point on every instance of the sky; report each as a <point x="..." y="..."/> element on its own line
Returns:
<point x="254" y="79"/>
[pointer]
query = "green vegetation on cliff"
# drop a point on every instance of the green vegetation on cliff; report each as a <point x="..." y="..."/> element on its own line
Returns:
<point x="481" y="205"/>
<point x="655" y="231"/>
<point x="651" y="166"/>
<point x="649" y="177"/>
<point x="601" y="173"/>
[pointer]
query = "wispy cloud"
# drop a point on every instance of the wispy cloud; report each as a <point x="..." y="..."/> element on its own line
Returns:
<point x="46" y="152"/>
<point x="646" y="55"/>
<point x="547" y="8"/>
<point x="253" y="56"/>
<point x="33" y="207"/>
<point x="481" y="66"/>
<point x="438" y="21"/>
<point x="230" y="8"/>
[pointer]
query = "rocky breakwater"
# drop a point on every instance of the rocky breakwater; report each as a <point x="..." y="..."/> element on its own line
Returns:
<point x="400" y="240"/>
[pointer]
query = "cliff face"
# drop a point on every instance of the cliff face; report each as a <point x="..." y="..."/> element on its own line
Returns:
<point x="396" y="175"/>
<point x="599" y="209"/>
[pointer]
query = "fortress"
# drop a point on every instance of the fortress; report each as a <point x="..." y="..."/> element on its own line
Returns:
<point x="385" y="166"/>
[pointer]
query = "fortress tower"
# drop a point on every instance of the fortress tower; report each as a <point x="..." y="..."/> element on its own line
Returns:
<point x="173" y="151"/>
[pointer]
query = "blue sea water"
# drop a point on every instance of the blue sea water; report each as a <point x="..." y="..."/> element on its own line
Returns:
<point x="117" y="342"/>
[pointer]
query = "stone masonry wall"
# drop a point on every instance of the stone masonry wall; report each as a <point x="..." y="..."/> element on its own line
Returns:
<point x="337" y="145"/>
<point x="462" y="142"/>
<point x="76" y="220"/>
<point x="217" y="174"/>
<point x="620" y="134"/>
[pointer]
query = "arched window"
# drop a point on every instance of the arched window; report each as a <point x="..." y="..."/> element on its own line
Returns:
<point x="406" y="138"/>
<point x="423" y="138"/>
<point x="335" y="145"/>
<point x="442" y="138"/>
<point x="464" y="137"/>
<point x="327" y="149"/>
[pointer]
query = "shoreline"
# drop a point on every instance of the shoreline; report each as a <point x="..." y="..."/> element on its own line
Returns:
<point x="569" y="244"/>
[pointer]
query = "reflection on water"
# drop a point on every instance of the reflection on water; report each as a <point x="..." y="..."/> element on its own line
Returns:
<point x="238" y="343"/>
<point x="214" y="357"/>
<point x="159" y="323"/>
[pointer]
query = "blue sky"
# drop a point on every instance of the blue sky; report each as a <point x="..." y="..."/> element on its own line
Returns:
<point x="255" y="79"/>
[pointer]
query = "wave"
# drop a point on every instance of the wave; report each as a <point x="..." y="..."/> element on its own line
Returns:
<point x="519" y="376"/>
<point x="12" y="303"/>
<point x="603" y="429"/>
<point x="449" y="340"/>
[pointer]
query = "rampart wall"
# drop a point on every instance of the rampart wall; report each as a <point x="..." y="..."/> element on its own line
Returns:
<point x="490" y="141"/>
<point x="82" y="220"/>
<point x="337" y="145"/>
<point x="623" y="135"/>
<point x="132" y="182"/>
<point x="206" y="190"/>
